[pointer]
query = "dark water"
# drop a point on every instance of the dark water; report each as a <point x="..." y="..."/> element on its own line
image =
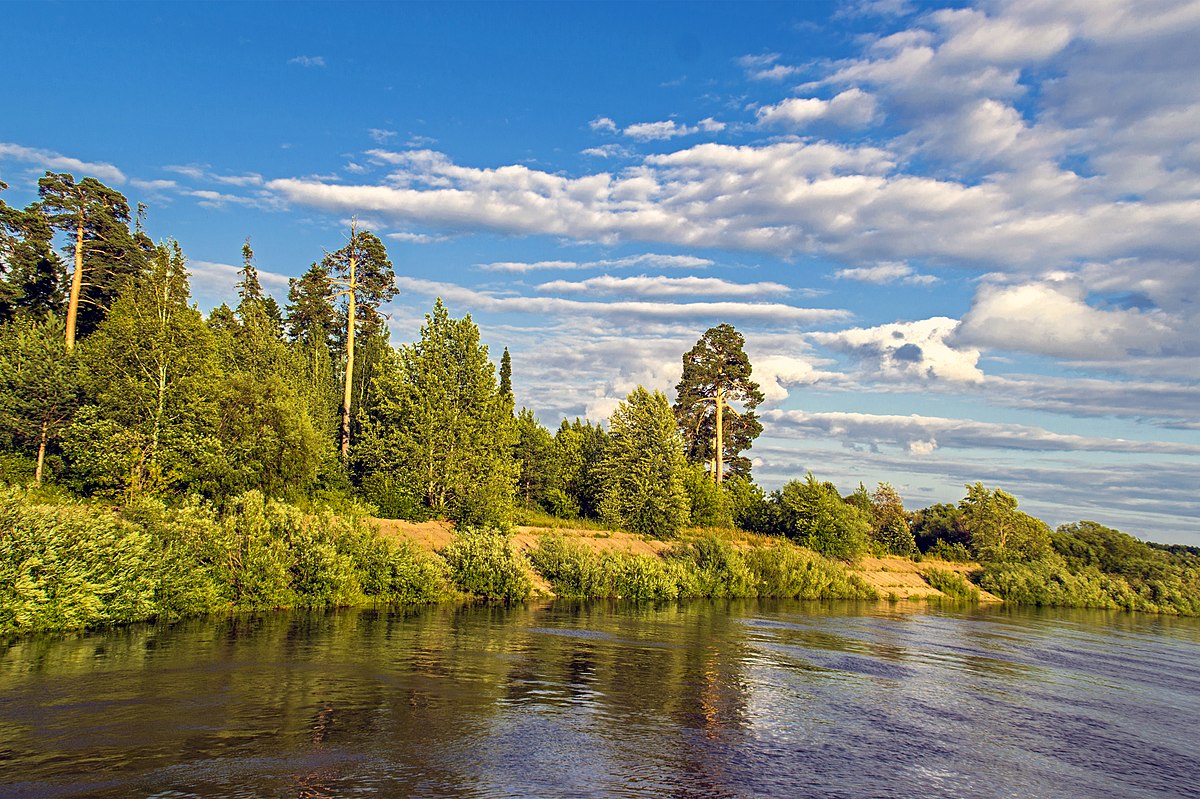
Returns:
<point x="601" y="700"/>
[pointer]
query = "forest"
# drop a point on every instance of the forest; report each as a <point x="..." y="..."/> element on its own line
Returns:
<point x="157" y="461"/>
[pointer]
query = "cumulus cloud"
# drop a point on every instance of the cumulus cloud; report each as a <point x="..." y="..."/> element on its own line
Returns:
<point x="851" y="108"/>
<point x="658" y="131"/>
<point x="1054" y="319"/>
<point x="658" y="286"/>
<point x="915" y="350"/>
<point x="221" y="274"/>
<point x="603" y="125"/>
<point x="608" y="151"/>
<point x="52" y="161"/>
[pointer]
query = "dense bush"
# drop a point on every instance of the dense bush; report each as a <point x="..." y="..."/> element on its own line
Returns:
<point x="73" y="566"/>
<point x="483" y="562"/>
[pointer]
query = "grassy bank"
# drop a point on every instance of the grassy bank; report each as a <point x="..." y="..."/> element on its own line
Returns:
<point x="66" y="565"/>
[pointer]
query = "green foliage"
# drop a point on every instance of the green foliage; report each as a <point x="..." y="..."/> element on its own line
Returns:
<point x="890" y="531"/>
<point x="440" y="427"/>
<point x="813" y="514"/>
<point x="709" y="567"/>
<point x="72" y="566"/>
<point x="718" y="364"/>
<point x="952" y="584"/>
<point x="997" y="530"/>
<point x="953" y="552"/>
<point x="483" y="562"/>
<point x="643" y="468"/>
<point x="709" y="503"/>
<point x="748" y="505"/>
<point x="940" y="523"/>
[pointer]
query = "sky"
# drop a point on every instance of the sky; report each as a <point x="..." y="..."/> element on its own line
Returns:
<point x="962" y="241"/>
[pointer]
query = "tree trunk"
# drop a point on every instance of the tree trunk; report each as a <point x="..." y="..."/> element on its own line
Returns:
<point x="346" y="396"/>
<point x="720" y="454"/>
<point x="37" y="475"/>
<point x="76" y="287"/>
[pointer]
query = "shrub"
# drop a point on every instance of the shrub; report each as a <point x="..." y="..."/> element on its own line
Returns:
<point x="482" y="562"/>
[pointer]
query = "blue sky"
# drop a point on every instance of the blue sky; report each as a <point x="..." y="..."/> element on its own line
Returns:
<point x="961" y="240"/>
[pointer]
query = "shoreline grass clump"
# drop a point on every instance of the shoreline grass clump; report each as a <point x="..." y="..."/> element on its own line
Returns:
<point x="952" y="584"/>
<point x="710" y="567"/>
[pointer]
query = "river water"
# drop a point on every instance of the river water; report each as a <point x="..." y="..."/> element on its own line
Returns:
<point x="701" y="699"/>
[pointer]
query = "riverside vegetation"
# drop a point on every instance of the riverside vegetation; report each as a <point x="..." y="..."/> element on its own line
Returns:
<point x="163" y="463"/>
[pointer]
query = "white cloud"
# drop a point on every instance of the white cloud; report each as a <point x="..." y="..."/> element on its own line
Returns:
<point x="381" y="135"/>
<point x="658" y="131"/>
<point x="603" y="125"/>
<point x="774" y="313"/>
<point x="653" y="260"/>
<point x="308" y="60"/>
<point x="887" y="272"/>
<point x="908" y="350"/>
<point x="154" y="185"/>
<point x="608" y="151"/>
<point x="851" y="108"/>
<point x="657" y="286"/>
<point x="52" y="161"/>
<point x="710" y="125"/>
<point x="221" y="274"/>
<point x="416" y="238"/>
<point x="1054" y="319"/>
<point x="923" y="434"/>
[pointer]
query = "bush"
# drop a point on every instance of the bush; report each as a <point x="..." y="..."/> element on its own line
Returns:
<point x="482" y="562"/>
<point x="954" y="552"/>
<point x="786" y="571"/>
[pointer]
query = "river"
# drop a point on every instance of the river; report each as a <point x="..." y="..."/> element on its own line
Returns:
<point x="699" y="699"/>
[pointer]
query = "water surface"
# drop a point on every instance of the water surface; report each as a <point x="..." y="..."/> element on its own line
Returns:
<point x="701" y="699"/>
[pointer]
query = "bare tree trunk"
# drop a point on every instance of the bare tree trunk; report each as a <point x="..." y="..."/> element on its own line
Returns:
<point x="346" y="396"/>
<point x="76" y="287"/>
<point x="37" y="475"/>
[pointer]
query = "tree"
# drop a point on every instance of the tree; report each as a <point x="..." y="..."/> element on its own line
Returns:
<point x="506" y="373"/>
<point x="366" y="279"/>
<point x="534" y="454"/>
<point x="998" y="530"/>
<point x="39" y="384"/>
<point x="716" y="372"/>
<point x="815" y="514"/>
<point x="439" y="429"/>
<point x="97" y="219"/>
<point x="311" y="318"/>
<point x="31" y="272"/>
<point x="643" y="469"/>
<point x="154" y="378"/>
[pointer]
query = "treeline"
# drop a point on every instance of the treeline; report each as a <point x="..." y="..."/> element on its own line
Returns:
<point x="115" y="388"/>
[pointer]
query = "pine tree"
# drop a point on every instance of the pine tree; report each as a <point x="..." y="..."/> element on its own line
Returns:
<point x="105" y="253"/>
<point x="310" y="314"/>
<point x="716" y="372"/>
<point x="366" y="280"/>
<point x="31" y="273"/>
